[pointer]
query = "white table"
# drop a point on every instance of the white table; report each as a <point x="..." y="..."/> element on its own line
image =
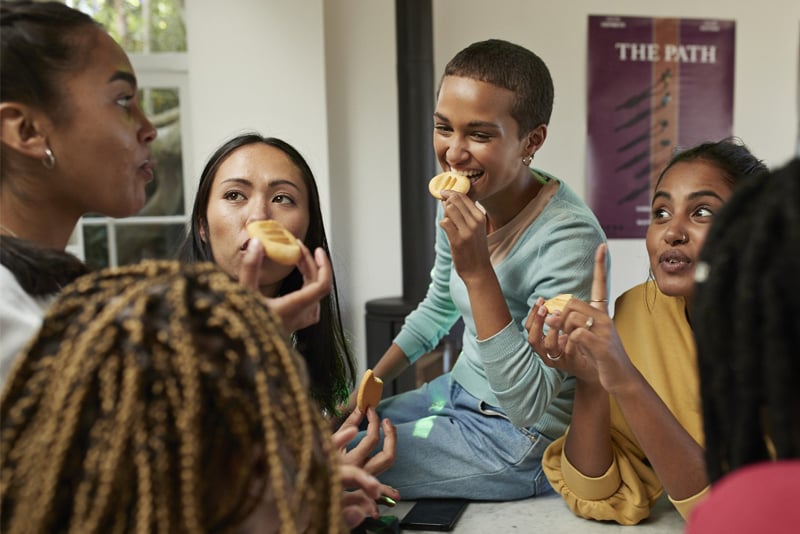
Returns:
<point x="546" y="514"/>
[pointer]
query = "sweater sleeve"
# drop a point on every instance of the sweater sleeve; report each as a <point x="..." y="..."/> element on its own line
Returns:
<point x="625" y="493"/>
<point x="436" y="313"/>
<point x="557" y="258"/>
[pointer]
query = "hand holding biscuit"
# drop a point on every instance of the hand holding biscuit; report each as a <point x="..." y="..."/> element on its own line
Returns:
<point x="363" y="454"/>
<point x="300" y="308"/>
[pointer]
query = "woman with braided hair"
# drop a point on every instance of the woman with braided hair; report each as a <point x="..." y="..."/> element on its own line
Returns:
<point x="636" y="429"/>
<point x="163" y="397"/>
<point x="748" y="308"/>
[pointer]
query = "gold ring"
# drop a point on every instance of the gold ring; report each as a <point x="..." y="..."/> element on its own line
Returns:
<point x="554" y="358"/>
<point x="599" y="300"/>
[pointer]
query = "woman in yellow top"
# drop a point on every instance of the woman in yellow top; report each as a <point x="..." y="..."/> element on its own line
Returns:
<point x="617" y="457"/>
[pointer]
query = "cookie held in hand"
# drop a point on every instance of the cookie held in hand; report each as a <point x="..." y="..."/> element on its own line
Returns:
<point x="280" y="245"/>
<point x="448" y="181"/>
<point x="369" y="391"/>
<point x="557" y="303"/>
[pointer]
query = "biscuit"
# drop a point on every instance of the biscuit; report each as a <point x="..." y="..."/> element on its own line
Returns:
<point x="280" y="245"/>
<point x="448" y="181"/>
<point x="558" y="302"/>
<point x="369" y="391"/>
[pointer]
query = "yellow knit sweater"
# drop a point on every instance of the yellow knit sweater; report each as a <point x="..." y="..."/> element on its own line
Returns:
<point x="659" y="341"/>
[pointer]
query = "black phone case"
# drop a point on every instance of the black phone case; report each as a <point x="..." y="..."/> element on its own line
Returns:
<point x="434" y="514"/>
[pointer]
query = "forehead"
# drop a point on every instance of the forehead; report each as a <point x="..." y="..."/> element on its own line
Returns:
<point x="260" y="162"/>
<point x="103" y="58"/>
<point x="461" y="96"/>
<point x="697" y="175"/>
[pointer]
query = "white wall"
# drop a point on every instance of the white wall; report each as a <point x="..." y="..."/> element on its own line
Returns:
<point x="321" y="74"/>
<point x="259" y="65"/>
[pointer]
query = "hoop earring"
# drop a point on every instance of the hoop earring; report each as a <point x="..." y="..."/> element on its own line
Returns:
<point x="527" y="160"/>
<point x="49" y="160"/>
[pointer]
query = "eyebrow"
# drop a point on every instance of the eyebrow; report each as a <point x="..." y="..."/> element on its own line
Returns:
<point x="471" y="124"/>
<point x="272" y="183"/>
<point x="692" y="196"/>
<point x="124" y="76"/>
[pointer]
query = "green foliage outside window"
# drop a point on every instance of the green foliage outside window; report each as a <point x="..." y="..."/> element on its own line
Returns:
<point x="140" y="26"/>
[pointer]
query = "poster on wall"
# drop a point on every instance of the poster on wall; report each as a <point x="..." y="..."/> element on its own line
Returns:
<point x="654" y="85"/>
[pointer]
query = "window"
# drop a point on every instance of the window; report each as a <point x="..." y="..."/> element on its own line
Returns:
<point x="153" y="33"/>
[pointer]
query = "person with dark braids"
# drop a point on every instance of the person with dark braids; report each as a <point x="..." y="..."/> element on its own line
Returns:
<point x="165" y="397"/>
<point x="636" y="429"/>
<point x="73" y="139"/>
<point x="747" y="303"/>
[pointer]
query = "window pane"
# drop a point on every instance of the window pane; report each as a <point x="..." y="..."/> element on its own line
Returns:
<point x="137" y="242"/>
<point x="95" y="246"/>
<point x="142" y="26"/>
<point x="165" y="192"/>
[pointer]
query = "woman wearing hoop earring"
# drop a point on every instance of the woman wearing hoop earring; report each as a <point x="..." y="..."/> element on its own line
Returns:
<point x="636" y="426"/>
<point x="74" y="140"/>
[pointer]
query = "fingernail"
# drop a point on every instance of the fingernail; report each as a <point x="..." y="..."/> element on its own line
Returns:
<point x="385" y="499"/>
<point x="542" y="311"/>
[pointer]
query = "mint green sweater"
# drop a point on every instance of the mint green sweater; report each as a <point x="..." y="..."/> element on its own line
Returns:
<point x="554" y="254"/>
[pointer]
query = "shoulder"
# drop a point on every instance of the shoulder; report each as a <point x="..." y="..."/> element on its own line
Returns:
<point x="566" y="207"/>
<point x="730" y="504"/>
<point x="39" y="271"/>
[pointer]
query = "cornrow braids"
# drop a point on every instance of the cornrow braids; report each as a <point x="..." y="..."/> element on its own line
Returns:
<point x="162" y="397"/>
<point x="746" y="325"/>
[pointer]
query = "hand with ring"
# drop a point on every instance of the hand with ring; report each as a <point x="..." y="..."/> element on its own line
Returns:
<point x="549" y="345"/>
<point x="594" y="351"/>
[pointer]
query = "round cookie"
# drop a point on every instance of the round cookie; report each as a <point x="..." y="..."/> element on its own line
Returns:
<point x="448" y="181"/>
<point x="369" y="391"/>
<point x="280" y="245"/>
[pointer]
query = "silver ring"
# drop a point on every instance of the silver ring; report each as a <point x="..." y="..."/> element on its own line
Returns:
<point x="589" y="322"/>
<point x="554" y="358"/>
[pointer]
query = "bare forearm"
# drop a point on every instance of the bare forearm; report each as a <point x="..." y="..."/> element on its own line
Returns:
<point x="588" y="443"/>
<point x="677" y="458"/>
<point x="392" y="363"/>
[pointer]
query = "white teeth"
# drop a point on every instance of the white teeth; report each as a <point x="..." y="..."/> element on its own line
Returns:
<point x="468" y="174"/>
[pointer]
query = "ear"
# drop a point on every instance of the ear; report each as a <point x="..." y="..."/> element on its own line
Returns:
<point x="201" y="229"/>
<point x="20" y="130"/>
<point x="535" y="139"/>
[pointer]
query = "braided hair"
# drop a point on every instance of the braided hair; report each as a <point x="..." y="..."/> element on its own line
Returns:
<point x="747" y="310"/>
<point x="162" y="397"/>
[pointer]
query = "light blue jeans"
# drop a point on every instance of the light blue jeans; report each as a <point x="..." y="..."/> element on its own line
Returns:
<point x="451" y="444"/>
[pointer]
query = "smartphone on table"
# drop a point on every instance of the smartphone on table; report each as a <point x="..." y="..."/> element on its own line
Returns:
<point x="434" y="514"/>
